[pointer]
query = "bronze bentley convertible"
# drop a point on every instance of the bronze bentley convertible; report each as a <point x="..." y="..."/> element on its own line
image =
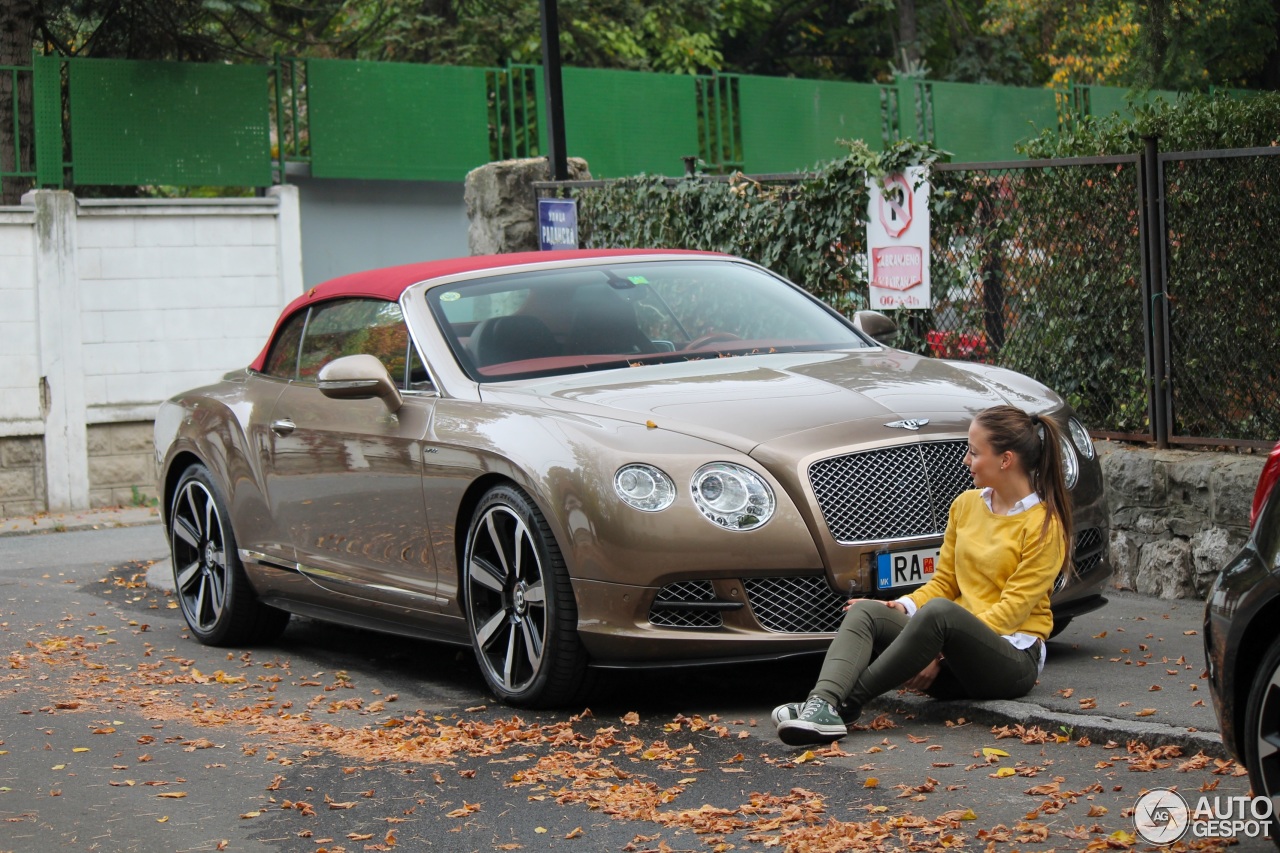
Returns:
<point x="580" y="459"/>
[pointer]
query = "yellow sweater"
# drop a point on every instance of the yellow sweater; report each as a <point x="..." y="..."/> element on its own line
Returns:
<point x="998" y="567"/>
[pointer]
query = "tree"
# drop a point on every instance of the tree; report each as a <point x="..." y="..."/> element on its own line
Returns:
<point x="1149" y="44"/>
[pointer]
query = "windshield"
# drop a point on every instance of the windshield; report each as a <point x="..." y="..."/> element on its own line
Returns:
<point x="629" y="314"/>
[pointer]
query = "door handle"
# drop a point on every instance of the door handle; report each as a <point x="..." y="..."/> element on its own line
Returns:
<point x="284" y="426"/>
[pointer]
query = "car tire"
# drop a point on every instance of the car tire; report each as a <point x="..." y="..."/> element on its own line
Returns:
<point x="1262" y="729"/>
<point x="520" y="610"/>
<point x="1060" y="624"/>
<point x="217" y="601"/>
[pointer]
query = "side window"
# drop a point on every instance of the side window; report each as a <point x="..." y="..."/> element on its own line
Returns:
<point x="353" y="326"/>
<point x="282" y="360"/>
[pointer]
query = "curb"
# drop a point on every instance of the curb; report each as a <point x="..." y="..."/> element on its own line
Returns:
<point x="160" y="576"/>
<point x="1099" y="729"/>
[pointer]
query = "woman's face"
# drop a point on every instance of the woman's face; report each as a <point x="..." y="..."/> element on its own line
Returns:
<point x="984" y="463"/>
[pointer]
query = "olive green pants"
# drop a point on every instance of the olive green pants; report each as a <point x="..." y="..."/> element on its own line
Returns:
<point x="879" y="648"/>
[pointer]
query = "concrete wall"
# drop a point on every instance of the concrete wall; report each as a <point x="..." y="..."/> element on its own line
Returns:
<point x="109" y="307"/>
<point x="348" y="226"/>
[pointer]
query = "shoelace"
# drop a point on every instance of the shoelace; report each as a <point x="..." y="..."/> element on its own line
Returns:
<point x="813" y="704"/>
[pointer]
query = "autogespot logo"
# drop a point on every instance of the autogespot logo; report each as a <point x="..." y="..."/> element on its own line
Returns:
<point x="1161" y="816"/>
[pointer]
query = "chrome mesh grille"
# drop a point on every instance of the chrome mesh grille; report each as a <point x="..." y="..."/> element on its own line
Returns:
<point x="890" y="493"/>
<point x="1088" y="550"/>
<point x="684" y="616"/>
<point x="795" y="605"/>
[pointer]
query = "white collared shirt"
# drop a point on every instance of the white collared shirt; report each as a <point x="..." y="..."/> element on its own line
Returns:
<point x="1019" y="641"/>
<point x="1019" y="506"/>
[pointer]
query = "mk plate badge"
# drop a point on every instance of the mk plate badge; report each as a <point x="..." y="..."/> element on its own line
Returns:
<point x="909" y="423"/>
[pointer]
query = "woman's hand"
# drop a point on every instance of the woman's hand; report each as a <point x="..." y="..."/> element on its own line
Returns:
<point x="923" y="679"/>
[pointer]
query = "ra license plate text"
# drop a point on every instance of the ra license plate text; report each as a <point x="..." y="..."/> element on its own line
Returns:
<point x="905" y="568"/>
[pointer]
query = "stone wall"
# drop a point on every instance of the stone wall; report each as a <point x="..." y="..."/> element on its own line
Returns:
<point x="1177" y="516"/>
<point x="21" y="476"/>
<point x="122" y="464"/>
<point x="501" y="206"/>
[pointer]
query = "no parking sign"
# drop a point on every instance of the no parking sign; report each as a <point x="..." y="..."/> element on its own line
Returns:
<point x="898" y="241"/>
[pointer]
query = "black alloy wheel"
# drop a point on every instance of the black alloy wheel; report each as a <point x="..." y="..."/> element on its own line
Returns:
<point x="519" y="605"/>
<point x="215" y="596"/>
<point x="1262" y="734"/>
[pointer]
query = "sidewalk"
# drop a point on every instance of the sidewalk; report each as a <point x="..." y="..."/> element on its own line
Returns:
<point x="89" y="519"/>
<point x="1133" y="670"/>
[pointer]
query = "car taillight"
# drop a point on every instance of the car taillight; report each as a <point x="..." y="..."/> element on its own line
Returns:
<point x="1267" y="480"/>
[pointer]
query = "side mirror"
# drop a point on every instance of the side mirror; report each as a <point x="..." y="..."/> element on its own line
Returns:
<point x="359" y="377"/>
<point x="876" y="326"/>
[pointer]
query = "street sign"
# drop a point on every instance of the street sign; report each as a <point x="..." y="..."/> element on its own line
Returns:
<point x="896" y="205"/>
<point x="557" y="223"/>
<point x="898" y="241"/>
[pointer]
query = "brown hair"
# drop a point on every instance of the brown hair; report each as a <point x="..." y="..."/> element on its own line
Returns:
<point x="1037" y="444"/>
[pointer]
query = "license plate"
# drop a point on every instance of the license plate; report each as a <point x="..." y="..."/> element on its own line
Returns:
<point x="905" y="568"/>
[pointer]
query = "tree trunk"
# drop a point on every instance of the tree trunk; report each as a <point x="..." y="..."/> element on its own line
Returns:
<point x="908" y="35"/>
<point x="1157" y="33"/>
<point x="17" y="35"/>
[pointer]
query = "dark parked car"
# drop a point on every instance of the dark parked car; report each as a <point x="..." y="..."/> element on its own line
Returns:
<point x="581" y="459"/>
<point x="1242" y="640"/>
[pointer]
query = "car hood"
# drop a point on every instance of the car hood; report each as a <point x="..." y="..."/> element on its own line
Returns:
<point x="787" y="398"/>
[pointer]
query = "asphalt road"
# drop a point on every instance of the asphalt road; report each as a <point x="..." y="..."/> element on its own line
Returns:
<point x="119" y="733"/>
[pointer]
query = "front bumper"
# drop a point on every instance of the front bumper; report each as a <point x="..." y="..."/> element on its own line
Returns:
<point x="749" y="618"/>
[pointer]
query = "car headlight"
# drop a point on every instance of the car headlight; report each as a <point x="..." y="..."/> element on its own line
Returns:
<point x="1080" y="438"/>
<point x="644" y="487"/>
<point x="732" y="496"/>
<point x="1070" y="463"/>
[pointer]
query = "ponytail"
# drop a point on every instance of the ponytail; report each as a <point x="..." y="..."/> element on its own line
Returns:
<point x="1037" y="443"/>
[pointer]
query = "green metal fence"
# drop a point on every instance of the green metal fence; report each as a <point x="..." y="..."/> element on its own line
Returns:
<point x="118" y="122"/>
<point x="975" y="122"/>
<point x="392" y="120"/>
<point x="169" y="123"/>
<point x="15" y="86"/>
<point x="789" y="124"/>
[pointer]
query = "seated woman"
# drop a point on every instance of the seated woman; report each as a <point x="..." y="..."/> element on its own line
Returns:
<point x="977" y="630"/>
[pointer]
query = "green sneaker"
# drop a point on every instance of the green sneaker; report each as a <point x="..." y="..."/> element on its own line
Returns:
<point x="818" y="723"/>
<point x="789" y="711"/>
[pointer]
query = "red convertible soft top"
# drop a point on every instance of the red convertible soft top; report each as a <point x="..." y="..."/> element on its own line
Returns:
<point x="389" y="282"/>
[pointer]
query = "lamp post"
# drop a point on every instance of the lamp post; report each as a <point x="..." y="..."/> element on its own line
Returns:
<point x="556" y="158"/>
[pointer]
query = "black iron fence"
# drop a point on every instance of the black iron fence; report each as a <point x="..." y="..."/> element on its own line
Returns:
<point x="1140" y="287"/>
